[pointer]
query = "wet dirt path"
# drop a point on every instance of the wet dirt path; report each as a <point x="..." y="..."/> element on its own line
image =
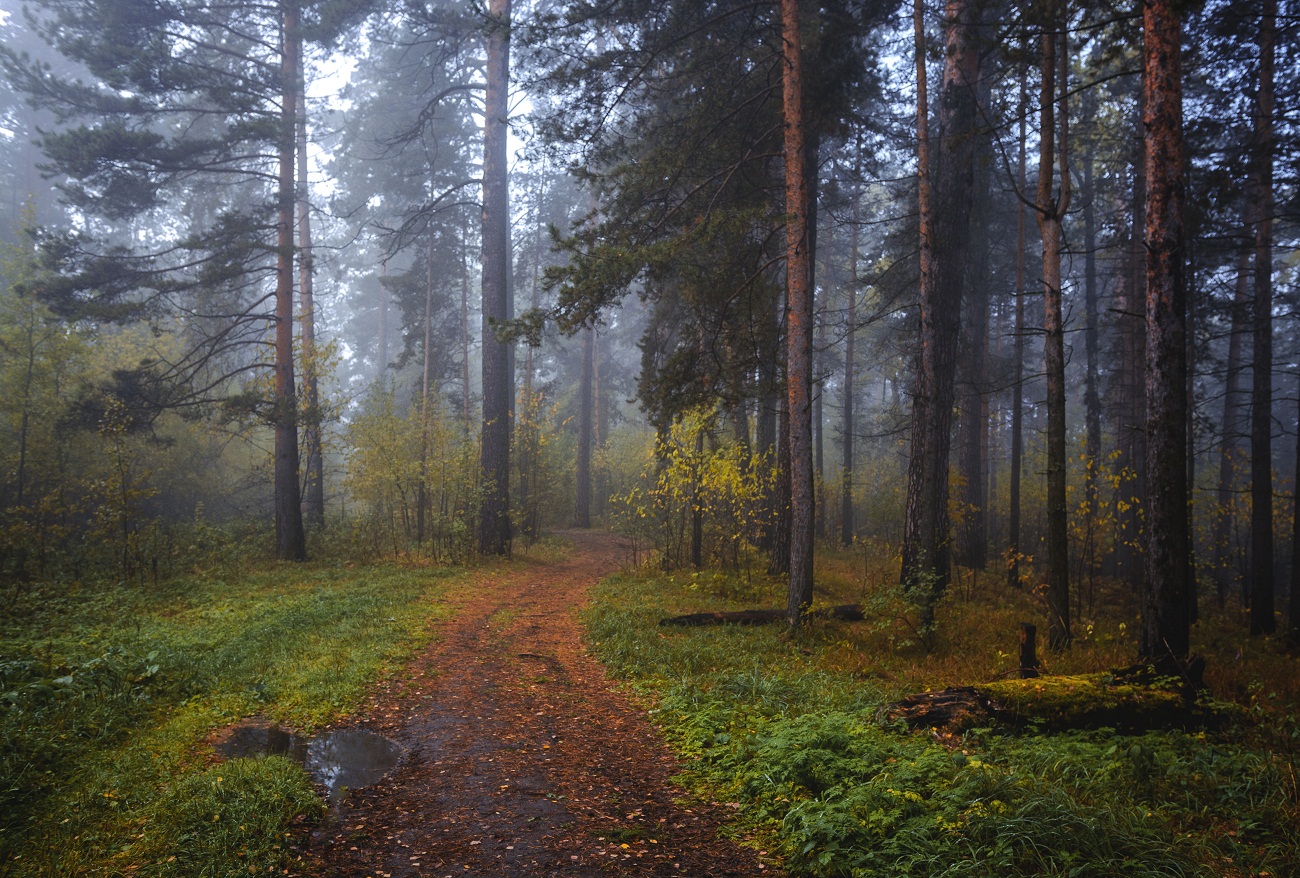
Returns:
<point x="523" y="759"/>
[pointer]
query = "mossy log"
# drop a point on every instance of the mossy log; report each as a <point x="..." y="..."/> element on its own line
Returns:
<point x="843" y="613"/>
<point x="1133" y="698"/>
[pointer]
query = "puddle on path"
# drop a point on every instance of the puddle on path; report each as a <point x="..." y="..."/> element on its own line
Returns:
<point x="345" y="759"/>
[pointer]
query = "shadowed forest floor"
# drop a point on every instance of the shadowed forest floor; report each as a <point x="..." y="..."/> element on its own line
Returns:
<point x="522" y="758"/>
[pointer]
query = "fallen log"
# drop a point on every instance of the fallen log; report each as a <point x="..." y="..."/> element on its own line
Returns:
<point x="1135" y="698"/>
<point x="843" y="613"/>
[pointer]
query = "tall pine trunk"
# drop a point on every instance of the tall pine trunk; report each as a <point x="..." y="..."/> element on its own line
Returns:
<point x="1018" y="358"/>
<point x="1165" y="606"/>
<point x="1231" y="426"/>
<point x="944" y="236"/>
<point x="847" y="530"/>
<point x="315" y="493"/>
<point x="290" y="540"/>
<point x="972" y="431"/>
<point x="799" y="316"/>
<point x="1261" y="432"/>
<point x="494" y="512"/>
<point x="1051" y="213"/>
<point x="586" y="384"/>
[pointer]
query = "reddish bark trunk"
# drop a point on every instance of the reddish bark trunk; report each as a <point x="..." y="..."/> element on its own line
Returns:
<point x="799" y="315"/>
<point x="1165" y="616"/>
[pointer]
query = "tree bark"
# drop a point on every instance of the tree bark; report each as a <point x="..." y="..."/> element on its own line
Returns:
<point x="799" y="315"/>
<point x="972" y="431"/>
<point x="494" y="514"/>
<point x="1165" y="616"/>
<point x="1091" y="396"/>
<point x="1018" y="358"/>
<point x="1051" y="212"/>
<point x="1231" y="426"/>
<point x="422" y="489"/>
<point x="315" y="493"/>
<point x="847" y="530"/>
<point x="1261" y="443"/>
<point x="586" y="382"/>
<point x="944" y="237"/>
<point x="290" y="540"/>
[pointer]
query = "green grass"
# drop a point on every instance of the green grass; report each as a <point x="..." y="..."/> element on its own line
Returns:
<point x="790" y="730"/>
<point x="107" y="694"/>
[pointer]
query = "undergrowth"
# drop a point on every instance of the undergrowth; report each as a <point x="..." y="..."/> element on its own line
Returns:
<point x="107" y="693"/>
<point x="790" y="730"/>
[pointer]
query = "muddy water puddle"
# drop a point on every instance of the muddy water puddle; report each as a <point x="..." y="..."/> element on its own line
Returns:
<point x="346" y="759"/>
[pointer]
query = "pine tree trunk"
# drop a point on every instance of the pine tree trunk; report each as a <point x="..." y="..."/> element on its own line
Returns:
<point x="1091" y="395"/>
<point x="1165" y="616"/>
<point x="1262" y="562"/>
<point x="315" y="493"/>
<point x="799" y="316"/>
<point x="944" y="238"/>
<point x="1231" y="427"/>
<point x="1051" y="212"/>
<point x="494" y="514"/>
<point x="847" y="530"/>
<point x="582" y="509"/>
<point x="972" y="431"/>
<point x="1018" y="359"/>
<point x="426" y="399"/>
<point x="290" y="540"/>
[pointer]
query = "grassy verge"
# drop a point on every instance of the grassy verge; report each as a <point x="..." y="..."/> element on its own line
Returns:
<point x="787" y="729"/>
<point x="107" y="693"/>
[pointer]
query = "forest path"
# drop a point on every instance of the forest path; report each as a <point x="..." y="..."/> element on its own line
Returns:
<point x="522" y="758"/>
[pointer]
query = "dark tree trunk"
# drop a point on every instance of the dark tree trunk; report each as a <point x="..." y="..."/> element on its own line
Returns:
<point x="847" y="531"/>
<point x="315" y="494"/>
<point x="944" y="236"/>
<point x="1091" y="396"/>
<point x="972" y="431"/>
<point x="799" y="315"/>
<point x="1165" y="617"/>
<point x="422" y="488"/>
<point x="1232" y="428"/>
<point x="494" y="516"/>
<point x="1131" y="408"/>
<point x="1261" y="417"/>
<point x="1051" y="212"/>
<point x="582" y="510"/>
<point x="1018" y="360"/>
<point x="290" y="540"/>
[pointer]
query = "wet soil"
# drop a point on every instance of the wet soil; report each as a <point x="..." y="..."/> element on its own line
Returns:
<point x="522" y="757"/>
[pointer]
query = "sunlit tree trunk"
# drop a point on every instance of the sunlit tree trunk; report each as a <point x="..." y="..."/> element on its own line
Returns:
<point x="494" y="512"/>
<point x="290" y="540"/>
<point x="1165" y="618"/>
<point x="1051" y="209"/>
<point x="1261" y="433"/>
<point x="799" y="315"/>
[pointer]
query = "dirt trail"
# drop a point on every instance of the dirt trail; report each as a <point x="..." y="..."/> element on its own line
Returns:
<point x="522" y="758"/>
